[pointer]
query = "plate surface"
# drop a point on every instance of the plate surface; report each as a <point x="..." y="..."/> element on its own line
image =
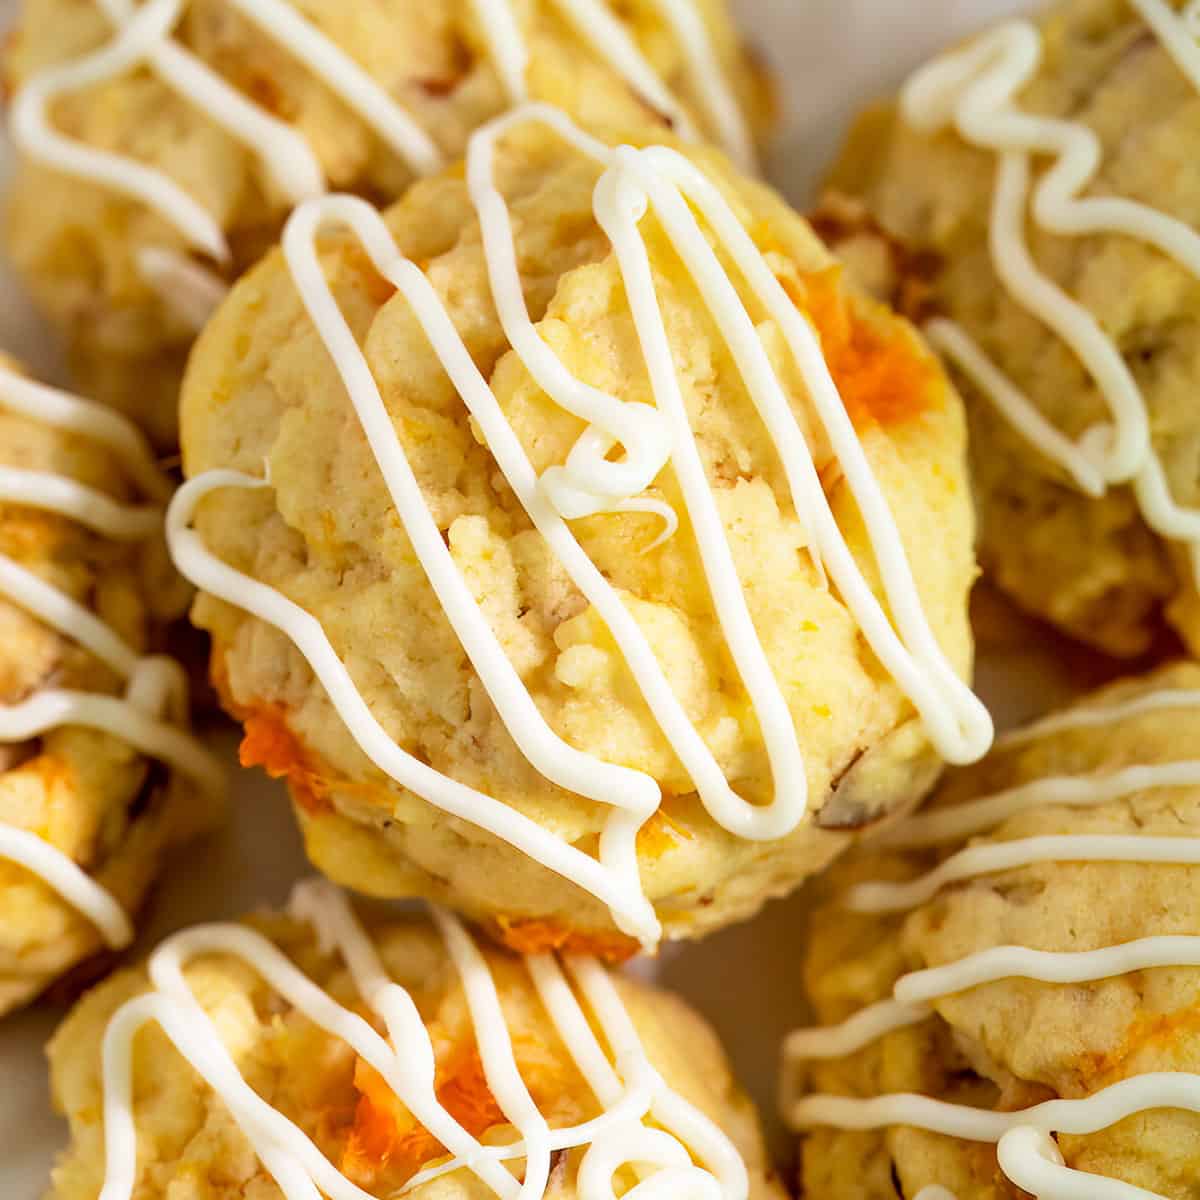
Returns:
<point x="830" y="56"/>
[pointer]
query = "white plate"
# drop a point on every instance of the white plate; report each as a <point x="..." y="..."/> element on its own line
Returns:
<point x="830" y="56"/>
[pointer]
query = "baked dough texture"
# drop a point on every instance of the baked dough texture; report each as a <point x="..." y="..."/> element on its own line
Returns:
<point x="88" y="794"/>
<point x="262" y="390"/>
<point x="1014" y="1043"/>
<point x="189" y="1145"/>
<point x="77" y="244"/>
<point x="910" y="211"/>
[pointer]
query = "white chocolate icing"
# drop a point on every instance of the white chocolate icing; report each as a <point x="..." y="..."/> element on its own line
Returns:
<point x="153" y="711"/>
<point x="72" y="414"/>
<point x="994" y="857"/>
<point x="69" y="881"/>
<point x="1161" y="1089"/>
<point x="142" y="37"/>
<point x="958" y="821"/>
<point x="610" y="38"/>
<point x="1026" y="1151"/>
<point x="715" y="96"/>
<point x="685" y="1155"/>
<point x="653" y="438"/>
<point x="87" y="505"/>
<point x="974" y="91"/>
<point x="506" y="43"/>
<point x="1087" y="717"/>
<point x="836" y="1041"/>
<point x="188" y="289"/>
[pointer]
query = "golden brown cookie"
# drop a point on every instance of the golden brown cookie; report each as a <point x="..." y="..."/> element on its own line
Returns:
<point x="589" y="677"/>
<point x="482" y="1047"/>
<point x="1027" y="199"/>
<point x="1007" y="986"/>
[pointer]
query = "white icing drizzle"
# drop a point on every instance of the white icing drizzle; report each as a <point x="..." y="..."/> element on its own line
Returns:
<point x="955" y="344"/>
<point x="1026" y="1151"/>
<point x="191" y="291"/>
<point x="601" y="878"/>
<point x="653" y="437"/>
<point x="69" y="881"/>
<point x="958" y="821"/>
<point x="87" y="505"/>
<point x="1161" y="1089"/>
<point x="913" y="995"/>
<point x="693" y="1157"/>
<point x="154" y="707"/>
<point x="991" y="858"/>
<point x="836" y="1041"/>
<point x="509" y="52"/>
<point x="715" y="96"/>
<point x="73" y="414"/>
<point x="1087" y="717"/>
<point x="612" y="41"/>
<point x="974" y="90"/>
<point x="143" y="38"/>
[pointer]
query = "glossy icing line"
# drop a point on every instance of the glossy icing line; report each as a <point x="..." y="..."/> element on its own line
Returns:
<point x="1160" y="1089"/>
<point x="1087" y="716"/>
<point x="72" y="414"/>
<point x="68" y="880"/>
<point x="405" y="1061"/>
<point x="936" y="826"/>
<point x="88" y="506"/>
<point x="974" y="90"/>
<point x="590" y="482"/>
<point x="154" y="706"/>
<point x="187" y="288"/>
<point x="506" y="44"/>
<point x="994" y="857"/>
<point x="914" y="994"/>
<point x="715" y="96"/>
